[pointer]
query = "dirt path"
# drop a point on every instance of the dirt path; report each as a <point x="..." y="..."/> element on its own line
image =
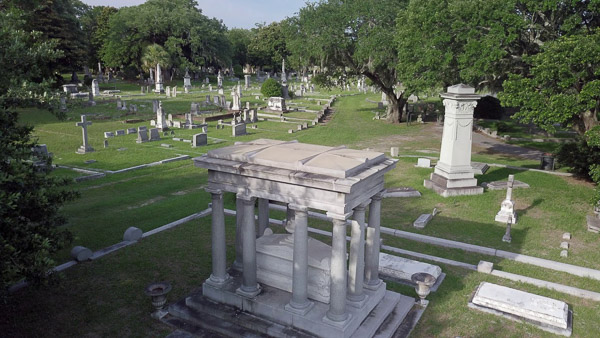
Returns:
<point x="491" y="145"/>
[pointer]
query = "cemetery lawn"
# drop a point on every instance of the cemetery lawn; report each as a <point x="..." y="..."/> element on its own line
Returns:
<point x="105" y="297"/>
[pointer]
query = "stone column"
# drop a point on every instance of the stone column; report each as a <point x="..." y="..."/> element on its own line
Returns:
<point x="339" y="274"/>
<point x="372" y="280"/>
<point x="237" y="263"/>
<point x="356" y="267"/>
<point x="453" y="174"/>
<point x="289" y="220"/>
<point x="219" y="274"/>
<point x="249" y="287"/>
<point x="299" y="303"/>
<point x="263" y="215"/>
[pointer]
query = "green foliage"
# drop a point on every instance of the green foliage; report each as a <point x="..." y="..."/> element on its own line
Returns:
<point x="29" y="212"/>
<point x="154" y="54"/>
<point x="267" y="46"/>
<point x="351" y="38"/>
<point x="56" y="20"/>
<point x="239" y="40"/>
<point x="94" y="23"/>
<point x="191" y="39"/>
<point x="322" y="80"/>
<point x="271" y="88"/>
<point x="238" y="71"/>
<point x="563" y="86"/>
<point x="580" y="156"/>
<point x="27" y="64"/>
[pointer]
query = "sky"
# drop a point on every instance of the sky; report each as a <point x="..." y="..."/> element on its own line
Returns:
<point x="234" y="13"/>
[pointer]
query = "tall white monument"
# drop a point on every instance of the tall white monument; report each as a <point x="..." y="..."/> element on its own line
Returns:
<point x="161" y="121"/>
<point x="187" y="82"/>
<point x="158" y="81"/>
<point x="453" y="174"/>
<point x="219" y="80"/>
<point x="95" y="88"/>
<point x="284" y="86"/>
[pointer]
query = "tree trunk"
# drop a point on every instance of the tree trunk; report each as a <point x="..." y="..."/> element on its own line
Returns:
<point x="586" y="121"/>
<point x="394" y="107"/>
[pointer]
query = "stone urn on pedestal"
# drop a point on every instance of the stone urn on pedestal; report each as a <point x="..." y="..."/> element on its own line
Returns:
<point x="158" y="293"/>
<point x="424" y="283"/>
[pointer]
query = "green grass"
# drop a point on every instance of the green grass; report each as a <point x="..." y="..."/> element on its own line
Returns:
<point x="105" y="297"/>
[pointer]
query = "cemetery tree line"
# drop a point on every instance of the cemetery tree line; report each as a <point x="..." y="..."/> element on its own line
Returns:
<point x="29" y="213"/>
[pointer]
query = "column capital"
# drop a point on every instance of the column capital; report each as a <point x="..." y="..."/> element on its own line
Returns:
<point x="378" y="196"/>
<point x="246" y="198"/>
<point x="214" y="191"/>
<point x="363" y="206"/>
<point x="341" y="217"/>
<point x="297" y="207"/>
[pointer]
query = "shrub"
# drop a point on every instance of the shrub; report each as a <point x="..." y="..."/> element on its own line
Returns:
<point x="238" y="71"/>
<point x="580" y="156"/>
<point x="502" y="127"/>
<point x="271" y="88"/>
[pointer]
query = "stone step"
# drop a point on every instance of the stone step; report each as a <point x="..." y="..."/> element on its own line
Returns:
<point x="206" y="315"/>
<point x="389" y="327"/>
<point x="379" y="314"/>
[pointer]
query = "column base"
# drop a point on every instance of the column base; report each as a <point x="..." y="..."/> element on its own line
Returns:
<point x="248" y="294"/>
<point x="342" y="322"/>
<point x="373" y="285"/>
<point x="218" y="282"/>
<point x="301" y="309"/>
<point x="450" y="187"/>
<point x="357" y="302"/>
<point x="237" y="266"/>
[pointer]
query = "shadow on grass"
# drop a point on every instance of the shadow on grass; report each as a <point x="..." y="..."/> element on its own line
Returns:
<point x="497" y="175"/>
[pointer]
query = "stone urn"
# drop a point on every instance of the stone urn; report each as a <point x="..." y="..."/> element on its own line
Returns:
<point x="424" y="282"/>
<point x="158" y="293"/>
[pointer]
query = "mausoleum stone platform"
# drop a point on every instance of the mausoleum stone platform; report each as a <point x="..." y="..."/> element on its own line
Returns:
<point x="292" y="280"/>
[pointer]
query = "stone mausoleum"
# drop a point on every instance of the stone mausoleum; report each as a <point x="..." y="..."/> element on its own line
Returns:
<point x="290" y="283"/>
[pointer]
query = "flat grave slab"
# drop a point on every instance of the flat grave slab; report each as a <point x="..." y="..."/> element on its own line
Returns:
<point x="503" y="185"/>
<point x="593" y="224"/>
<point x="401" y="192"/>
<point x="479" y="168"/>
<point x="400" y="269"/>
<point x="422" y="221"/>
<point x="546" y="313"/>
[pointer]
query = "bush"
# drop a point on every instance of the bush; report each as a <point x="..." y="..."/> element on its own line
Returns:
<point x="502" y="127"/>
<point x="238" y="71"/>
<point x="271" y="88"/>
<point x="488" y="107"/>
<point x="580" y="156"/>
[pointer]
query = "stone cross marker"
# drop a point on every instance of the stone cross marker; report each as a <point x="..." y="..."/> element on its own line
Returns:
<point x="85" y="148"/>
<point x="507" y="208"/>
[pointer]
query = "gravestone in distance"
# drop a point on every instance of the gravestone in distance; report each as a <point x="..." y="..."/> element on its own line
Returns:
<point x="95" y="88"/>
<point x="199" y="140"/>
<point x="142" y="136"/>
<point x="85" y="148"/>
<point x="158" y="81"/>
<point x="238" y="129"/>
<point x="154" y="134"/>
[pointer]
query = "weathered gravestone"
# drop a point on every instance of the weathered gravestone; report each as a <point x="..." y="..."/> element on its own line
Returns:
<point x="199" y="140"/>
<point x="507" y="208"/>
<point x="154" y="134"/>
<point x="142" y="136"/>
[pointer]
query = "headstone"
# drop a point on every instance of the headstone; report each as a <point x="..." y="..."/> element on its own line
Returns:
<point x="485" y="267"/>
<point x="154" y="134"/>
<point x="394" y="151"/>
<point x="105" y="143"/>
<point x="85" y="148"/>
<point x="131" y="131"/>
<point x="174" y="91"/>
<point x="108" y="134"/>
<point x="194" y="108"/>
<point x="564" y="253"/>
<point x="199" y="140"/>
<point x="219" y="80"/>
<point x="119" y="103"/>
<point x="187" y="82"/>
<point x="154" y="106"/>
<point x="63" y="104"/>
<point x="168" y="91"/>
<point x="120" y="132"/>
<point x="247" y="81"/>
<point x="546" y="313"/>
<point x="276" y="104"/>
<point x="238" y="129"/>
<point x="424" y="163"/>
<point x="95" y="88"/>
<point x="507" y="208"/>
<point x="142" y="136"/>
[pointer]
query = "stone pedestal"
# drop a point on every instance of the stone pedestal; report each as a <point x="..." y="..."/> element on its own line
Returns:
<point x="453" y="174"/>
